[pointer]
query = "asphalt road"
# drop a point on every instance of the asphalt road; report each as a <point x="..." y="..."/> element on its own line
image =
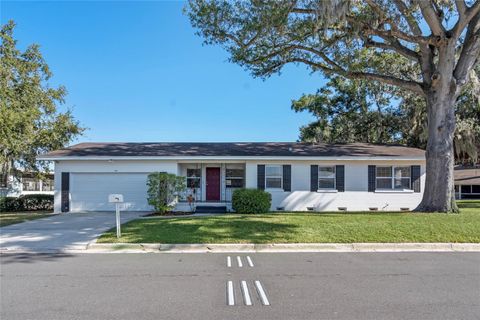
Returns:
<point x="195" y="286"/>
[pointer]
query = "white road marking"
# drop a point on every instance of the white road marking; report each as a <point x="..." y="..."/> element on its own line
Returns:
<point x="250" y="262"/>
<point x="262" y="293"/>
<point x="229" y="261"/>
<point x="239" y="260"/>
<point x="230" y="294"/>
<point x="246" y="294"/>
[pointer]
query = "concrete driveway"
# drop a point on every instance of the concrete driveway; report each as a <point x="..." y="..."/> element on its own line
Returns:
<point x="69" y="231"/>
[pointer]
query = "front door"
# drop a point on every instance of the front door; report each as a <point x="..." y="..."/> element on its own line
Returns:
<point x="213" y="184"/>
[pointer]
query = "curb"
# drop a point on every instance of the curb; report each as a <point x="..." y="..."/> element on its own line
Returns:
<point x="282" y="247"/>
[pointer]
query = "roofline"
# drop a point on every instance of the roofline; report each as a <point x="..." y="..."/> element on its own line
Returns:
<point x="106" y="158"/>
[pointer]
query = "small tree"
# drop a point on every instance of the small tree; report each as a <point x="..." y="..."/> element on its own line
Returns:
<point x="163" y="190"/>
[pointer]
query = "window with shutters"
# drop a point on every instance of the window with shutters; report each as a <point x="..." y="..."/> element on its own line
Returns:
<point x="392" y="177"/>
<point x="273" y="177"/>
<point x="326" y="177"/>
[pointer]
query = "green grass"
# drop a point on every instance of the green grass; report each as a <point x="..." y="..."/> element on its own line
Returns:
<point x="8" y="218"/>
<point x="308" y="228"/>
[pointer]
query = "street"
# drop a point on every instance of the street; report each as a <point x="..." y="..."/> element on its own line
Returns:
<point x="201" y="286"/>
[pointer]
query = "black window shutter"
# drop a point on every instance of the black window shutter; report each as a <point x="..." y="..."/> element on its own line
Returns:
<point x="261" y="176"/>
<point x="340" y="178"/>
<point x="415" y="176"/>
<point x="314" y="178"/>
<point x="372" y="175"/>
<point x="287" y="177"/>
<point x="65" y="194"/>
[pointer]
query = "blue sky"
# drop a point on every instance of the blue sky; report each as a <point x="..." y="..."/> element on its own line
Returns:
<point x="135" y="71"/>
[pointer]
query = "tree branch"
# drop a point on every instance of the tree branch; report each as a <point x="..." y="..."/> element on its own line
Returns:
<point x="412" y="23"/>
<point x="470" y="51"/>
<point x="405" y="84"/>
<point x="431" y="17"/>
<point x="394" y="46"/>
<point x="465" y="16"/>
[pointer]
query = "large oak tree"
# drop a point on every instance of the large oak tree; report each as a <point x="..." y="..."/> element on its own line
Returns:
<point x="439" y="39"/>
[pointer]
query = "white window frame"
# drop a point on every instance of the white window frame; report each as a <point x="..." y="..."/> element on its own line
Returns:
<point x="194" y="178"/>
<point x="334" y="178"/>
<point x="276" y="177"/>
<point x="392" y="178"/>
<point x="234" y="177"/>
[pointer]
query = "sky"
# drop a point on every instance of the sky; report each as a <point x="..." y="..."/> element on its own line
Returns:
<point x="136" y="71"/>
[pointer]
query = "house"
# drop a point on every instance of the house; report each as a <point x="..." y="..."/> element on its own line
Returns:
<point x="299" y="176"/>
<point x="467" y="182"/>
<point x="24" y="183"/>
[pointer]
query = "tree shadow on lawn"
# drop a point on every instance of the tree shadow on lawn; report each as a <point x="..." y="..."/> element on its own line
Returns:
<point x="214" y="230"/>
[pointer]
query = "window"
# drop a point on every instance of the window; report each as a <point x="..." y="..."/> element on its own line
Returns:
<point x="194" y="178"/>
<point x="234" y="177"/>
<point x="466" y="189"/>
<point x="326" y="177"/>
<point x="273" y="177"/>
<point x="47" y="185"/>
<point x="397" y="178"/>
<point x="31" y="184"/>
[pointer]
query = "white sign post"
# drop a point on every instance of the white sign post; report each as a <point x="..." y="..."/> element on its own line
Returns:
<point x="117" y="199"/>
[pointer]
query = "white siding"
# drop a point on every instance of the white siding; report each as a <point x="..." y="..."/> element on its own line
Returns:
<point x="355" y="198"/>
<point x="91" y="196"/>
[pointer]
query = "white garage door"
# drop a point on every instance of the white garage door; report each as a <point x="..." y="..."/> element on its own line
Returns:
<point x="89" y="191"/>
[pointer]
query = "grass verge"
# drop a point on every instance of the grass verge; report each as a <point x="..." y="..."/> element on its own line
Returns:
<point x="307" y="228"/>
<point x="8" y="218"/>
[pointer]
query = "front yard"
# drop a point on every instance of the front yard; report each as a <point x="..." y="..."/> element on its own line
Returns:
<point x="307" y="228"/>
<point x="7" y="218"/>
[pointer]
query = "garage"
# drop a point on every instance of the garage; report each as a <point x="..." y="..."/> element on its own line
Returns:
<point x="89" y="191"/>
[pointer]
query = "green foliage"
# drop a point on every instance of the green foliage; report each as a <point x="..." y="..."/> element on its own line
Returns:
<point x="360" y="111"/>
<point x="30" y="122"/>
<point x="29" y="202"/>
<point x="163" y="190"/>
<point x="251" y="201"/>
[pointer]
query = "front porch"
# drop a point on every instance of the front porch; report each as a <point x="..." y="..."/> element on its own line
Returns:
<point x="210" y="184"/>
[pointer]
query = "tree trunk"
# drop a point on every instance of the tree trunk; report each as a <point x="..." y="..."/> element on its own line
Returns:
<point x="439" y="195"/>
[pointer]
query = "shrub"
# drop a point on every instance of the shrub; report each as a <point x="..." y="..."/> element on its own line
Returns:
<point x="163" y="190"/>
<point x="28" y="202"/>
<point x="251" y="201"/>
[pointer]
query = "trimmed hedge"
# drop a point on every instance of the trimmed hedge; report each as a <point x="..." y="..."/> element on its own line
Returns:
<point x="28" y="202"/>
<point x="251" y="201"/>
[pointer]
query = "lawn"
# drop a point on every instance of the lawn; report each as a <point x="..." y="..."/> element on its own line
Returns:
<point x="307" y="228"/>
<point x="7" y="218"/>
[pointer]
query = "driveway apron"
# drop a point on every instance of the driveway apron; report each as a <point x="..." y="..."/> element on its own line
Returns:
<point x="69" y="231"/>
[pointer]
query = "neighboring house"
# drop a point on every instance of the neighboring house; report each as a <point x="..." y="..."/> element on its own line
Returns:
<point x="467" y="182"/>
<point x="26" y="183"/>
<point x="299" y="176"/>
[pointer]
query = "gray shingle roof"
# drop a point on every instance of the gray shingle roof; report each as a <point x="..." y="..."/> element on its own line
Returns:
<point x="233" y="149"/>
<point x="466" y="176"/>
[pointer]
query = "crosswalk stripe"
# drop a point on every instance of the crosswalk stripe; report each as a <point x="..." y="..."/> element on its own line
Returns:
<point x="239" y="260"/>
<point x="230" y="294"/>
<point x="246" y="294"/>
<point x="261" y="293"/>
<point x="250" y="262"/>
<point x="229" y="261"/>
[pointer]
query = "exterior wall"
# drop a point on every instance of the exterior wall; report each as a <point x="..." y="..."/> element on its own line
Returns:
<point x="355" y="198"/>
<point x="105" y="166"/>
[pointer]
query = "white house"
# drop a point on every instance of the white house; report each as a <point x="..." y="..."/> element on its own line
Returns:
<point x="299" y="176"/>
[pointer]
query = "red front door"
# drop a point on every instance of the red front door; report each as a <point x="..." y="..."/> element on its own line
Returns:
<point x="213" y="184"/>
